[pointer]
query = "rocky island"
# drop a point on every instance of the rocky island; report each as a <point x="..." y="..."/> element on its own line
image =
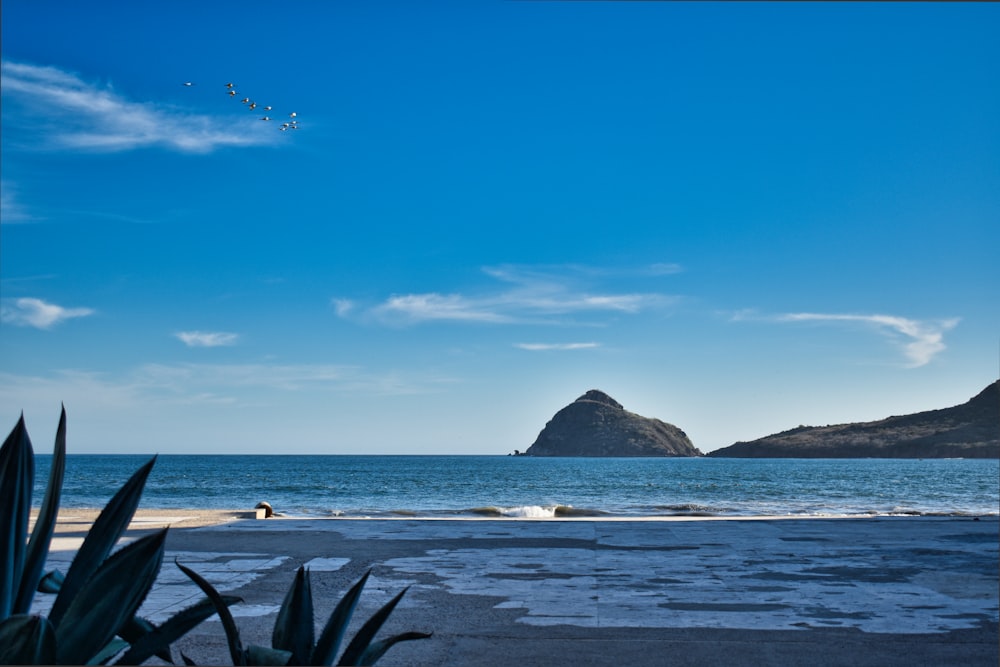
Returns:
<point x="969" y="430"/>
<point x="597" y="425"/>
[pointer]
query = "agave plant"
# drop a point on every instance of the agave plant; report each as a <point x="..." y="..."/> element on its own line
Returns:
<point x="93" y="617"/>
<point x="293" y="640"/>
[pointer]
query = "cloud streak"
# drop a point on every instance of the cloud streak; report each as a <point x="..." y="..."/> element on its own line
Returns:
<point x="46" y="107"/>
<point x="207" y="339"/>
<point x="251" y="384"/>
<point x="11" y="209"/>
<point x="411" y="308"/>
<point x="31" y="312"/>
<point x="535" y="296"/>
<point x="919" y="340"/>
<point x="203" y="379"/>
<point x="544" y="347"/>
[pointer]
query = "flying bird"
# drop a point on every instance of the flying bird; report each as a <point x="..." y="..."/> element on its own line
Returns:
<point x="187" y="83"/>
<point x="231" y="91"/>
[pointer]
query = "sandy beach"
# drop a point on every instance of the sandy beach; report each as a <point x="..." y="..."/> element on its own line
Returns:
<point x="770" y="591"/>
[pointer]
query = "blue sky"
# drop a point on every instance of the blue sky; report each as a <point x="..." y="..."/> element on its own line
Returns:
<point x="735" y="217"/>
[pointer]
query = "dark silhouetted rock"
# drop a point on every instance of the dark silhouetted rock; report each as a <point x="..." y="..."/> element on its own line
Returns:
<point x="597" y="425"/>
<point x="970" y="430"/>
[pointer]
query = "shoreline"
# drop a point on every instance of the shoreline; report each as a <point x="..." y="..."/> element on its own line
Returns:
<point x="75" y="518"/>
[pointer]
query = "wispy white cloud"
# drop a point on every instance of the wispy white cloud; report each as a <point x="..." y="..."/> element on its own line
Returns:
<point x="11" y="208"/>
<point x="531" y="274"/>
<point x="537" y="295"/>
<point x="49" y="108"/>
<point x="342" y="307"/>
<point x="920" y="340"/>
<point x="207" y="338"/>
<point x="665" y="269"/>
<point x="198" y="379"/>
<point x="428" y="307"/>
<point x="31" y="312"/>
<point x="542" y="347"/>
<point x="258" y="379"/>
<point x="153" y="386"/>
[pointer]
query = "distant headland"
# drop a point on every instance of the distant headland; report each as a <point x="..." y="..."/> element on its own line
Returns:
<point x="970" y="430"/>
<point x="597" y="425"/>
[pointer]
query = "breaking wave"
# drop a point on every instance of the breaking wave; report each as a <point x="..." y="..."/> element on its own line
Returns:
<point x="535" y="511"/>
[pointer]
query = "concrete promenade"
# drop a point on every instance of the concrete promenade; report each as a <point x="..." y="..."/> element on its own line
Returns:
<point x="880" y="591"/>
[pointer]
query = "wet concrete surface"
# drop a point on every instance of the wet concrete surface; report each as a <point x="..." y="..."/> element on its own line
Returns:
<point x="879" y="591"/>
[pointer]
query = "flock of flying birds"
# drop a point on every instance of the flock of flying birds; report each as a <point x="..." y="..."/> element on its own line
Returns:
<point x="292" y="124"/>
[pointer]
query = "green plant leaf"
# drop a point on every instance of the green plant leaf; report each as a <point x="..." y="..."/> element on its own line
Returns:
<point x="51" y="582"/>
<point x="332" y="635"/>
<point x="110" y="650"/>
<point x="17" y="479"/>
<point x="101" y="539"/>
<point x="41" y="536"/>
<point x="376" y="650"/>
<point x="157" y="640"/>
<point x="358" y="646"/>
<point x="294" y="629"/>
<point x="109" y="599"/>
<point x="27" y="640"/>
<point x="236" y="650"/>
<point x="136" y="628"/>
<point x="262" y="655"/>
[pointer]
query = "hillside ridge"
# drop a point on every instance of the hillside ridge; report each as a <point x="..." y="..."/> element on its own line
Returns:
<point x="969" y="430"/>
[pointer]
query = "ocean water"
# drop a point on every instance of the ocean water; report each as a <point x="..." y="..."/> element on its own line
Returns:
<point x="457" y="486"/>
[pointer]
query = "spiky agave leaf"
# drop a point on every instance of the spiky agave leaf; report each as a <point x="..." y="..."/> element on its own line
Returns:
<point x="360" y="644"/>
<point x="376" y="650"/>
<point x="109" y="599"/>
<point x="137" y="627"/>
<point x="51" y="582"/>
<point x="264" y="656"/>
<point x="156" y="640"/>
<point x="41" y="536"/>
<point x="236" y="650"/>
<point x="293" y="629"/>
<point x="27" y="640"/>
<point x="104" y="534"/>
<point x="109" y="650"/>
<point x="17" y="479"/>
<point x="332" y="635"/>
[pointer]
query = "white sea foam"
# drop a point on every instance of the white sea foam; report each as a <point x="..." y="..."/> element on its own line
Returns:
<point x="529" y="511"/>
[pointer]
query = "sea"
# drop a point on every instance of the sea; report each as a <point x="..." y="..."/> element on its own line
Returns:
<point x="534" y="487"/>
